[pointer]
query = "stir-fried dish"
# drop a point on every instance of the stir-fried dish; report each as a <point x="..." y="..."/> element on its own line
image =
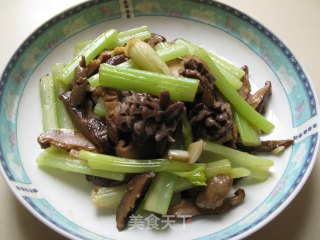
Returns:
<point x="164" y="127"/>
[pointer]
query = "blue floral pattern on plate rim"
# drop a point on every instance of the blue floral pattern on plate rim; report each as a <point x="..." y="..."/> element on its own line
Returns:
<point x="266" y="45"/>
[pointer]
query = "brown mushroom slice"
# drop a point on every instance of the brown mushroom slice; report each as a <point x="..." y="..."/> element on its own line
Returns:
<point x="67" y="139"/>
<point x="194" y="68"/>
<point x="107" y="182"/>
<point x="267" y="146"/>
<point x="79" y="84"/>
<point x="91" y="128"/>
<point x="245" y="89"/>
<point x="137" y="187"/>
<point x="131" y="150"/>
<point x="188" y="207"/>
<point x="215" y="192"/>
<point x="155" y="39"/>
<point x="175" y="66"/>
<point x="260" y="99"/>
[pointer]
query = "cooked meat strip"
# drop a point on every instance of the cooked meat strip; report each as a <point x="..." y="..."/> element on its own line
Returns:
<point x="266" y="146"/>
<point x="90" y="127"/>
<point x="215" y="192"/>
<point x="260" y="99"/>
<point x="194" y="68"/>
<point x="66" y="139"/>
<point x="79" y="84"/>
<point x="155" y="39"/>
<point x="245" y="89"/>
<point x="188" y="207"/>
<point x="136" y="189"/>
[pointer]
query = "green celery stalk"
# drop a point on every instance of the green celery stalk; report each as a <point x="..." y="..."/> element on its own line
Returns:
<point x="163" y="46"/>
<point x="183" y="184"/>
<point x="233" y="96"/>
<point x="57" y="158"/>
<point x="193" y="172"/>
<point x="248" y="135"/>
<point x="100" y="107"/>
<point x="159" y="195"/>
<point x="128" y="64"/>
<point x="108" y="197"/>
<point x="141" y="33"/>
<point x="258" y="166"/>
<point x="79" y="46"/>
<point x="212" y="169"/>
<point x="216" y="167"/>
<point x="64" y="120"/>
<point x="48" y="103"/>
<point x="166" y="54"/>
<point x="106" y="40"/>
<point x="173" y="52"/>
<point x="181" y="89"/>
<point x="146" y="57"/>
<point x="227" y="66"/>
<point x="94" y="80"/>
<point x="224" y="167"/>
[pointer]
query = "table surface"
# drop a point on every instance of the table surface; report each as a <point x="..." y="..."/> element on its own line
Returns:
<point x="296" y="22"/>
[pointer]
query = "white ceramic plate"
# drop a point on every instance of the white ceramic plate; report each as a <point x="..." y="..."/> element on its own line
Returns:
<point x="62" y="200"/>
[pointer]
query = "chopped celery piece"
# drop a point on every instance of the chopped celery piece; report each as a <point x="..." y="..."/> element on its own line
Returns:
<point x="108" y="197"/>
<point x="180" y="88"/>
<point x="216" y="167"/>
<point x="57" y="158"/>
<point x="212" y="169"/>
<point x="141" y="33"/>
<point x="100" y="107"/>
<point x="163" y="46"/>
<point x="64" y="120"/>
<point x="186" y="132"/>
<point x="94" y="80"/>
<point x="224" y="167"/>
<point x="168" y="54"/>
<point x="182" y="184"/>
<point x="146" y="57"/>
<point x="248" y="135"/>
<point x="128" y="64"/>
<point x="193" y="172"/>
<point x="233" y="96"/>
<point x="227" y="66"/>
<point x="173" y="52"/>
<point x="258" y="166"/>
<point x="159" y="195"/>
<point x="48" y="104"/>
<point x="79" y="46"/>
<point x="106" y="40"/>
